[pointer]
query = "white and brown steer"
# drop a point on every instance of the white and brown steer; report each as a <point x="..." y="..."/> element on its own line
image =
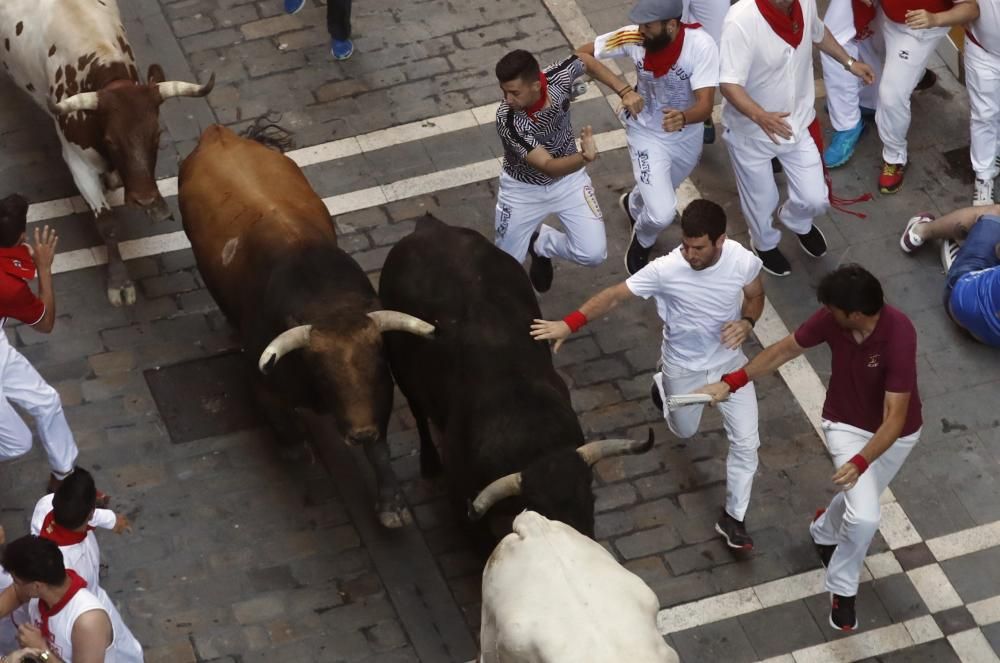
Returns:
<point x="74" y="59"/>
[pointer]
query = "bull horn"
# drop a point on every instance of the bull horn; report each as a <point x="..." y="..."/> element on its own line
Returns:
<point x="78" y="102"/>
<point x="505" y="486"/>
<point x="397" y="321"/>
<point x="283" y="343"/>
<point x="595" y="451"/>
<point x="180" y="89"/>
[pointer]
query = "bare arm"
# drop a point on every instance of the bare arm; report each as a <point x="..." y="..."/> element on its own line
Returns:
<point x="773" y="124"/>
<point x="962" y="12"/>
<point x="45" y="251"/>
<point x="698" y="112"/>
<point x="895" y="408"/>
<point x="9" y="601"/>
<point x="736" y="332"/>
<point x="764" y="363"/>
<point x="597" y="306"/>
<point x="540" y="159"/>
<point x="92" y="635"/>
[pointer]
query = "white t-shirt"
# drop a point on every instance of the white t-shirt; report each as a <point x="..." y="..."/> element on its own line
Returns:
<point x="694" y="304"/>
<point x="986" y="28"/>
<point x="83" y="557"/>
<point x="775" y="75"/>
<point x="697" y="67"/>
<point x="124" y="647"/>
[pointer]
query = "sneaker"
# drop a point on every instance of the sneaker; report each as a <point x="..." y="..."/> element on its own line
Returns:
<point x="341" y="50"/>
<point x="842" y="145"/>
<point x="709" y="136"/>
<point x="928" y="80"/>
<point x="824" y="551"/>
<point x="734" y="532"/>
<point x="813" y="242"/>
<point x="983" y="194"/>
<point x="949" y="251"/>
<point x="654" y="395"/>
<point x="294" y="6"/>
<point x="891" y="179"/>
<point x="540" y="271"/>
<point x="911" y="241"/>
<point x="637" y="255"/>
<point x="775" y="262"/>
<point x="842" y="615"/>
<point x="776" y="166"/>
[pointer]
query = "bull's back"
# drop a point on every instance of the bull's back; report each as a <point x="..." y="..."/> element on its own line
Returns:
<point x="243" y="205"/>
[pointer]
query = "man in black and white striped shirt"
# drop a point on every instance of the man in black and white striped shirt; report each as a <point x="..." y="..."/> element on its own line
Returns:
<point x="543" y="173"/>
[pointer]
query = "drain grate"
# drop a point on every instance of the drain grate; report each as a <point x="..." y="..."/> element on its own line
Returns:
<point x="205" y="397"/>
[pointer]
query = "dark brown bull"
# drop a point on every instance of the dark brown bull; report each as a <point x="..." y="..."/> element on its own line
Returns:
<point x="74" y="59"/>
<point x="267" y="250"/>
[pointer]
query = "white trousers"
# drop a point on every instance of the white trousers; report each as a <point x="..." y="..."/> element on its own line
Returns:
<point x="807" y="192"/>
<point x="710" y="13"/>
<point x="660" y="162"/>
<point x="906" y="55"/>
<point x="845" y="92"/>
<point x="739" y="415"/>
<point x="982" y="77"/>
<point x="851" y="520"/>
<point x="521" y="208"/>
<point x="21" y="384"/>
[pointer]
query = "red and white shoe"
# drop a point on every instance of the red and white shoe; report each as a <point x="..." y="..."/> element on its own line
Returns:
<point x="911" y="241"/>
<point x="891" y="178"/>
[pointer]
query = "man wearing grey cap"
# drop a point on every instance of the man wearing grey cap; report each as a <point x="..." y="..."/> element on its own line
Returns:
<point x="677" y="71"/>
<point x="766" y="76"/>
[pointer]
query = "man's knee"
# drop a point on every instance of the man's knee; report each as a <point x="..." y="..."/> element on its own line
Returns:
<point x="661" y="213"/>
<point x="864" y="520"/>
<point x="46" y="401"/>
<point x="683" y="428"/>
<point x="591" y="256"/>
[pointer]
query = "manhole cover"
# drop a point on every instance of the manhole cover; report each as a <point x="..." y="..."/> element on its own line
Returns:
<point x="205" y="397"/>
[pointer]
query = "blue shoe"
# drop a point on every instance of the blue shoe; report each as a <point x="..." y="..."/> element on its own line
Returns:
<point x="341" y="50"/>
<point x="294" y="6"/>
<point x="842" y="146"/>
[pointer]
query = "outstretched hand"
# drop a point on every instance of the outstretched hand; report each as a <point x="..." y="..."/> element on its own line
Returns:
<point x="550" y="330"/>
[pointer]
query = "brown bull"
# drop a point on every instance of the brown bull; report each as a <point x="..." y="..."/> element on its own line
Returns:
<point x="267" y="250"/>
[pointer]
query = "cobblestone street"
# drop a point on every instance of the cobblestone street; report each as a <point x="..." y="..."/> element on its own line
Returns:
<point x="246" y="551"/>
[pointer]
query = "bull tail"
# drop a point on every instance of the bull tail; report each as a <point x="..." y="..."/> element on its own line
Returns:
<point x="266" y="131"/>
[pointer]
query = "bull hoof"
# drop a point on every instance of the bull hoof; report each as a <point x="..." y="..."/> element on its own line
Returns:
<point x="395" y="518"/>
<point x="123" y="295"/>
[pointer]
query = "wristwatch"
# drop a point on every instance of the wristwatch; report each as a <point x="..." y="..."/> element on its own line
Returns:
<point x="850" y="63"/>
<point x="45" y="656"/>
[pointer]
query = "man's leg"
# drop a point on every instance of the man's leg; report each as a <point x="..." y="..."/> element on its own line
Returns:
<point x="23" y="386"/>
<point x="982" y="77"/>
<point x="520" y="208"/>
<point x="808" y="196"/>
<point x="842" y="87"/>
<point x="338" y="19"/>
<point x="575" y="203"/>
<point x="751" y="160"/>
<point x="653" y="203"/>
<point x="15" y="436"/>
<point x="739" y="414"/>
<point x="682" y="422"/>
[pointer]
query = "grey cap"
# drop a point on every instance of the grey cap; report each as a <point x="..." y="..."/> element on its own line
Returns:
<point x="647" y="11"/>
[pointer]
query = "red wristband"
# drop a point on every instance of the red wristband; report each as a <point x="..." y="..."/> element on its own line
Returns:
<point x="859" y="462"/>
<point x="575" y="320"/>
<point x="736" y="379"/>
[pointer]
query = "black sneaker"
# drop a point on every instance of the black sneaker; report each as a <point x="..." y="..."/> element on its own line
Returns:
<point x="813" y="242"/>
<point x="776" y="166"/>
<point x="774" y="260"/>
<point x="636" y="256"/>
<point x="734" y="532"/>
<point x="540" y="271"/>
<point x="928" y="80"/>
<point x="824" y="551"/>
<point x="654" y="395"/>
<point x="842" y="614"/>
<point x="708" y="137"/>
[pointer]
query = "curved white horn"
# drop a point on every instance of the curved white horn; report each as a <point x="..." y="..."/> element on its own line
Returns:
<point x="595" y="451"/>
<point x="283" y="343"/>
<point x="397" y="321"/>
<point x="78" y="102"/>
<point x="180" y="89"/>
<point x="505" y="486"/>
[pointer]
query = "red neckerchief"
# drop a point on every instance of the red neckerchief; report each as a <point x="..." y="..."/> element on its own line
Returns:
<point x="972" y="37"/>
<point x="788" y="27"/>
<point x="863" y="17"/>
<point x="17" y="261"/>
<point x="76" y="583"/>
<point x="540" y="104"/>
<point x="836" y="202"/>
<point x="59" y="535"/>
<point x="662" y="60"/>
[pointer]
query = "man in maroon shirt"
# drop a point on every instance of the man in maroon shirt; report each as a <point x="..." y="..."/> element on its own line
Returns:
<point x="871" y="416"/>
<point x="20" y="383"/>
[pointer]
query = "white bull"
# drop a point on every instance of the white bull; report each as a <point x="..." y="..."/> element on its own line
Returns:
<point x="552" y="595"/>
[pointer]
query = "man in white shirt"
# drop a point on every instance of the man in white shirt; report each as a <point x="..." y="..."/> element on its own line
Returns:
<point x="68" y="621"/>
<point x="766" y="77"/>
<point x="982" y="77"/>
<point x="68" y="518"/>
<point x="709" y="294"/>
<point x="677" y="71"/>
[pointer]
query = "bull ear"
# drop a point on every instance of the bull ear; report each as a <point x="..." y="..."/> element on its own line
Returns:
<point x="155" y="75"/>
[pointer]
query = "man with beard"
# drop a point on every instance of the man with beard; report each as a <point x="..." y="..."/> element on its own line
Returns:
<point x="543" y="173"/>
<point x="766" y="77"/>
<point x="709" y="294"/>
<point x="677" y="69"/>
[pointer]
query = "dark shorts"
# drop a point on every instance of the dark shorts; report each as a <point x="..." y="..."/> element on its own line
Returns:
<point x="978" y="252"/>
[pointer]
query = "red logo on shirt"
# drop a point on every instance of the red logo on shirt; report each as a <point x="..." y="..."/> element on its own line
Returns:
<point x="873" y="360"/>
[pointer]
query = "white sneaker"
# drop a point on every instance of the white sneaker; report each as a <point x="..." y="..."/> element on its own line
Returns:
<point x="983" y="194"/>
